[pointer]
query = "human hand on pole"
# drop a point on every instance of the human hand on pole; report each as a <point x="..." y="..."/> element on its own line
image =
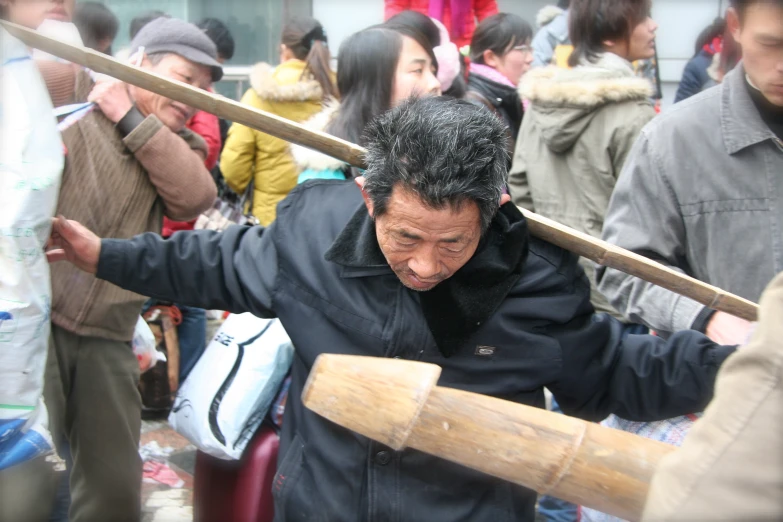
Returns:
<point x="112" y="97"/>
<point x="728" y="329"/>
<point x="72" y="241"/>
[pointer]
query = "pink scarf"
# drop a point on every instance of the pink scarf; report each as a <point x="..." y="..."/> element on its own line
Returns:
<point x="490" y="74"/>
<point x="460" y="11"/>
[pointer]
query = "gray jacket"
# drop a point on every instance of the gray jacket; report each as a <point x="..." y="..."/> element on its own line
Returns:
<point x="702" y="192"/>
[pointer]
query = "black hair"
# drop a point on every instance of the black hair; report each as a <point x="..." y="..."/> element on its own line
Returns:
<point x="306" y="39"/>
<point x="219" y="33"/>
<point x="564" y="4"/>
<point x="446" y="151"/>
<point x="592" y="22"/>
<point x="143" y="19"/>
<point x="709" y="33"/>
<point x="367" y="64"/>
<point x="96" y="24"/>
<point x="499" y="33"/>
<point x="419" y="22"/>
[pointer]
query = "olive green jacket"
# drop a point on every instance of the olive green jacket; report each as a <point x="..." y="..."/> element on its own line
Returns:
<point x="576" y="134"/>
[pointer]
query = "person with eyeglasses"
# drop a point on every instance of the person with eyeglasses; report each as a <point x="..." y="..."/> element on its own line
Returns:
<point x="500" y="54"/>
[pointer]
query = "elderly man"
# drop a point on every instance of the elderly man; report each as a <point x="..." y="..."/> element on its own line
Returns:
<point x="423" y="258"/>
<point x="129" y="162"/>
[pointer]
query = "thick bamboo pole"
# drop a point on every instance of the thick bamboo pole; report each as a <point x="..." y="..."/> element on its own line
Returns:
<point x="397" y="403"/>
<point x="560" y="235"/>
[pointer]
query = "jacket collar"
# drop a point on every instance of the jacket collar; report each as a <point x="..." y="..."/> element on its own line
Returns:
<point x="356" y="247"/>
<point x="609" y="80"/>
<point x="740" y="121"/>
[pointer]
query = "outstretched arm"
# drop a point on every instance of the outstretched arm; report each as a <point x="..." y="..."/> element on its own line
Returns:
<point x="234" y="270"/>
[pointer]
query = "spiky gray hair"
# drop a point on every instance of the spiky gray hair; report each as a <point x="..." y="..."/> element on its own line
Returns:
<point x="444" y="150"/>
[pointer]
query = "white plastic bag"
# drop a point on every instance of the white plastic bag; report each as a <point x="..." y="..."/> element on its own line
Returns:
<point x="145" y="347"/>
<point x="31" y="162"/>
<point x="225" y="398"/>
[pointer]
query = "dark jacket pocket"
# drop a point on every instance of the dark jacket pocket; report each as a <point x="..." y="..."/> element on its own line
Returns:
<point x="288" y="473"/>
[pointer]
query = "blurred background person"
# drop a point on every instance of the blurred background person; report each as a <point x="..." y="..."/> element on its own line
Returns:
<point x="447" y="55"/>
<point x="459" y="16"/>
<point x="135" y="26"/>
<point x="97" y="26"/>
<point x="582" y="121"/>
<point x="296" y="89"/>
<point x="500" y="55"/>
<point x="552" y="36"/>
<point x="716" y="54"/>
<point x="379" y="68"/>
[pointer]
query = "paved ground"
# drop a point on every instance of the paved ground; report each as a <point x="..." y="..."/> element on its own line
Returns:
<point x="161" y="502"/>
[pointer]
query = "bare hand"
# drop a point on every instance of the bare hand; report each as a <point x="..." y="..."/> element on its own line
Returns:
<point x="73" y="242"/>
<point x="727" y="329"/>
<point x="112" y="97"/>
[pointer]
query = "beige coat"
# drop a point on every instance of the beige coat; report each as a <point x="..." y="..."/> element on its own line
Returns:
<point x="730" y="466"/>
<point x="576" y="134"/>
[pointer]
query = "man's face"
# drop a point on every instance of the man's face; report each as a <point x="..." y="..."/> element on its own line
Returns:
<point x="32" y="13"/>
<point x="425" y="246"/>
<point x="173" y="114"/>
<point x="760" y="34"/>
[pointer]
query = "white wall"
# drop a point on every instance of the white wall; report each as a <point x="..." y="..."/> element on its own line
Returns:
<point x="342" y="18"/>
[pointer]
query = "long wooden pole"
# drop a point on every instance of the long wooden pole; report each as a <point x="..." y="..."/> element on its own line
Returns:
<point x="397" y="403"/>
<point x="560" y="235"/>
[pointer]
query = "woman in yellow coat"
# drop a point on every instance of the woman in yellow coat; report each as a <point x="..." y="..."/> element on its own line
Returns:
<point x="296" y="89"/>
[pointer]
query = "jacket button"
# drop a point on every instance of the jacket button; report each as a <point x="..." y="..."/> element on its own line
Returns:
<point x="383" y="457"/>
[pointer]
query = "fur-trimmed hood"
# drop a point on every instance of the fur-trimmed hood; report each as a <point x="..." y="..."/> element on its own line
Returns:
<point x="564" y="101"/>
<point x="310" y="159"/>
<point x="547" y="14"/>
<point x="284" y="83"/>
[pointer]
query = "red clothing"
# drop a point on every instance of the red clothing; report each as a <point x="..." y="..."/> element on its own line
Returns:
<point x="207" y="126"/>
<point x="481" y="9"/>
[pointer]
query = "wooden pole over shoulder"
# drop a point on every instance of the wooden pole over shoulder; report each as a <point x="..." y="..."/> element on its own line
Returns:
<point x="397" y="403"/>
<point x="560" y="235"/>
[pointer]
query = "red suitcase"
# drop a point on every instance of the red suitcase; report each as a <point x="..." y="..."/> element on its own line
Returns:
<point x="237" y="491"/>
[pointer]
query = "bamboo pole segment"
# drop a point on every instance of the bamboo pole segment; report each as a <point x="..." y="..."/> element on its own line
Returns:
<point x="560" y="235"/>
<point x="644" y="268"/>
<point x="397" y="403"/>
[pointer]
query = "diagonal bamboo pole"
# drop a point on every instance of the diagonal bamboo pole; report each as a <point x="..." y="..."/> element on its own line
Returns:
<point x="587" y="246"/>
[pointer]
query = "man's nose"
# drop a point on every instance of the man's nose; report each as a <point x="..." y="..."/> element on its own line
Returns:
<point x="424" y="265"/>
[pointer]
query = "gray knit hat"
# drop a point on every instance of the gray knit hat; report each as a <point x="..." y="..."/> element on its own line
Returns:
<point x="170" y="35"/>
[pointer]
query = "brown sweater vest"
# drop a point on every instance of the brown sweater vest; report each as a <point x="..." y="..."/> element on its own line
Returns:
<point x="107" y="188"/>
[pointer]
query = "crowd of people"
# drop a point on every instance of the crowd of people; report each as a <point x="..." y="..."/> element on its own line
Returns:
<point x="467" y="114"/>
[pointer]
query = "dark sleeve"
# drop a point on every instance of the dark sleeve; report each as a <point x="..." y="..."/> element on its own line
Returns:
<point x="234" y="270"/>
<point x="638" y="377"/>
<point x="690" y="83"/>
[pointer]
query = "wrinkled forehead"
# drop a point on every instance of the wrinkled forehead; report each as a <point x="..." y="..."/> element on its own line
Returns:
<point x="407" y="207"/>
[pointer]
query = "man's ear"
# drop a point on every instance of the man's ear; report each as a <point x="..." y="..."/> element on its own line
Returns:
<point x="360" y="181"/>
<point x="733" y="23"/>
<point x="505" y="198"/>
